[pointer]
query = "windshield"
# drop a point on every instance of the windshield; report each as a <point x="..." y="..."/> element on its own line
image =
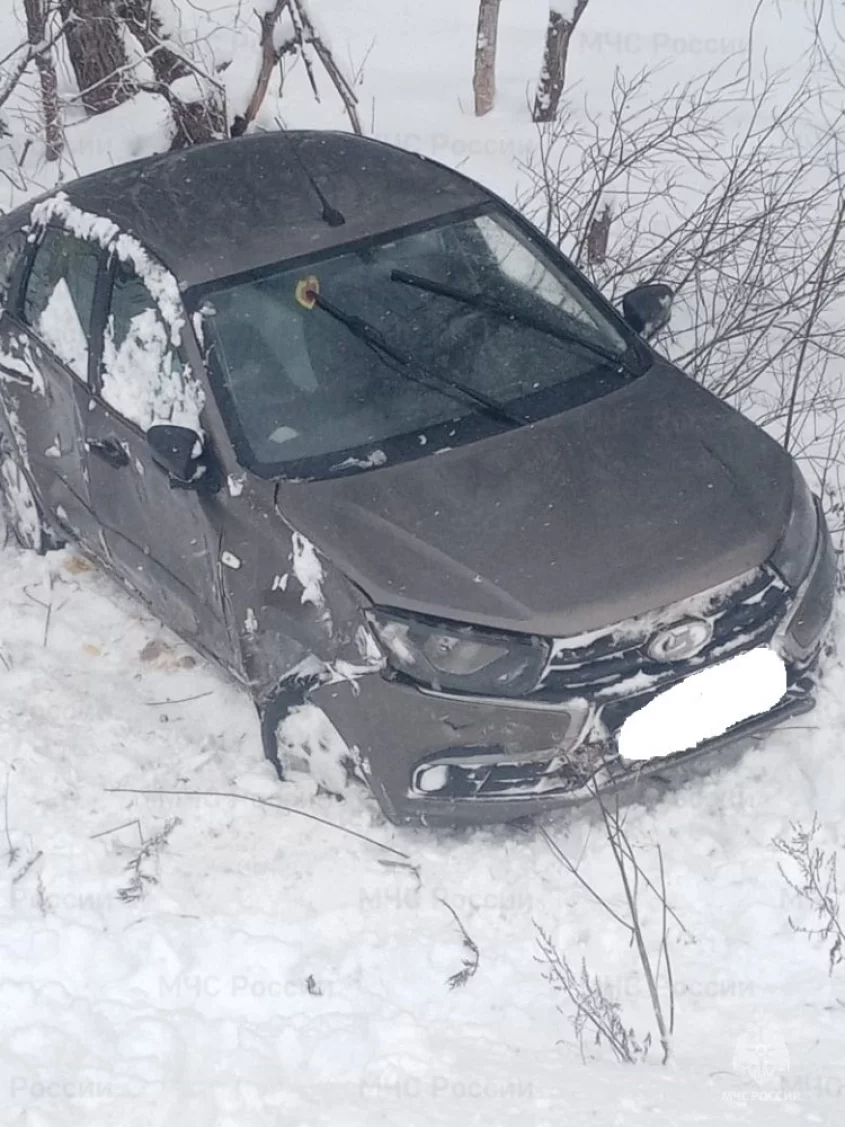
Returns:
<point x="305" y="387"/>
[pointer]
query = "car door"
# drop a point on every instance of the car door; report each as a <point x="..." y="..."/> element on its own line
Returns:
<point x="44" y="377"/>
<point x="162" y="540"/>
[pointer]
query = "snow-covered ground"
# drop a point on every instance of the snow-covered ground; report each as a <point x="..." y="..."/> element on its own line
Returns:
<point x="277" y="969"/>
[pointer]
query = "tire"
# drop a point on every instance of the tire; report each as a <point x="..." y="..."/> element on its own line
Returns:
<point x="21" y="514"/>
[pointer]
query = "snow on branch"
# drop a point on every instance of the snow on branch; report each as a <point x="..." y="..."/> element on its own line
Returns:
<point x="299" y="37"/>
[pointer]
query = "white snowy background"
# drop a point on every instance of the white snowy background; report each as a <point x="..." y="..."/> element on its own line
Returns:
<point x="275" y="969"/>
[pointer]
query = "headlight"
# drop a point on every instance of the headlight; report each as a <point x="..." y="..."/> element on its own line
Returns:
<point x="794" y="554"/>
<point x="451" y="658"/>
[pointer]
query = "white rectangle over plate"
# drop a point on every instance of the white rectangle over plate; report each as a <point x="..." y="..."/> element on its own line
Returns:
<point x="704" y="705"/>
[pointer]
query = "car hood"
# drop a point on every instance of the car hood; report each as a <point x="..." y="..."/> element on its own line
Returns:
<point x="638" y="499"/>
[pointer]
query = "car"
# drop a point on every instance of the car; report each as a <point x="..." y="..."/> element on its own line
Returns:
<point x="352" y="427"/>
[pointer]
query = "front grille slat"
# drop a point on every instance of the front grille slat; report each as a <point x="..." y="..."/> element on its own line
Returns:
<point x="604" y="668"/>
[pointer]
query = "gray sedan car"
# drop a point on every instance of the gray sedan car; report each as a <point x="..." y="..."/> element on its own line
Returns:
<point x="353" y="428"/>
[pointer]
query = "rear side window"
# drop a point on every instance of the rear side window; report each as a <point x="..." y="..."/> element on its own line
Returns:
<point x="60" y="295"/>
<point x="143" y="376"/>
<point x="10" y="251"/>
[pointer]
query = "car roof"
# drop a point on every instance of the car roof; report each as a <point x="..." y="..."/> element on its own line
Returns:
<point x="230" y="206"/>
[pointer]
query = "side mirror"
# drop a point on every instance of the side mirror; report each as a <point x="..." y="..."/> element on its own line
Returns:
<point x="177" y="450"/>
<point x="648" y="309"/>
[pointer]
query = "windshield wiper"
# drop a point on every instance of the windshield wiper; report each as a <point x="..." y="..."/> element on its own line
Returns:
<point x="506" y="312"/>
<point x="410" y="368"/>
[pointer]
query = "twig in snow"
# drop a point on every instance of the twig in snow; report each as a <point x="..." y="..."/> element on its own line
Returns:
<point x="47" y="606"/>
<point x="41" y="896"/>
<point x="470" y="965"/>
<point x="817" y="885"/>
<point x="622" y="851"/>
<point x="415" y="869"/>
<point x="47" y="624"/>
<point x="105" y="833"/>
<point x="664" y="945"/>
<point x="19" y="876"/>
<point x="34" y="598"/>
<point x="263" y="802"/>
<point x="573" y="869"/>
<point x="179" y="700"/>
<point x="140" y="879"/>
<point x="13" y="850"/>
<point x="561" y="856"/>
<point x="584" y="990"/>
<point x="594" y="1010"/>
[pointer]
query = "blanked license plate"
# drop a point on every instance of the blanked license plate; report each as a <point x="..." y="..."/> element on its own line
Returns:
<point x="704" y="705"/>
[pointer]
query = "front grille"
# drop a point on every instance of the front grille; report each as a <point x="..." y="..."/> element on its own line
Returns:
<point x="615" y="663"/>
<point x="611" y="672"/>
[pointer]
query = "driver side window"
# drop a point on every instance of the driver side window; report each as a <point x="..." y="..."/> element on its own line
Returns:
<point x="143" y="377"/>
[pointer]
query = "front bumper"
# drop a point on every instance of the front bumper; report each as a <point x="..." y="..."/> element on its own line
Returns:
<point x="508" y="759"/>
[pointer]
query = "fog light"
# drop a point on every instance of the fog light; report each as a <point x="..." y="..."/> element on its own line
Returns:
<point x="432" y="779"/>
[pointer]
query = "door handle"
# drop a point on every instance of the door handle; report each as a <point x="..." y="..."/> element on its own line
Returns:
<point x="110" y="450"/>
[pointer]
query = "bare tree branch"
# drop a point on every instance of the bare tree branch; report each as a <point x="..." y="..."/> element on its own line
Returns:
<point x="33" y="50"/>
<point x="304" y="38"/>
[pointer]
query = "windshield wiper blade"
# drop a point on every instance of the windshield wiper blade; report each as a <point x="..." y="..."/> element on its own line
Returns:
<point x="506" y="312"/>
<point x="412" y="369"/>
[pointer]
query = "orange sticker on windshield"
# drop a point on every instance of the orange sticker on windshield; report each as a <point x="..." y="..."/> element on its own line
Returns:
<point x="307" y="290"/>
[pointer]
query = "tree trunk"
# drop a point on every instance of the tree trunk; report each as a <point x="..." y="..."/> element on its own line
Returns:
<point x="139" y="17"/>
<point x="97" y="54"/>
<point x="563" y="19"/>
<point x="598" y="235"/>
<point x="196" y="121"/>
<point x="37" y="34"/>
<point x="484" y="76"/>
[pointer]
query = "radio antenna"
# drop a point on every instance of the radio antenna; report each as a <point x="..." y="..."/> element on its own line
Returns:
<point x="330" y="215"/>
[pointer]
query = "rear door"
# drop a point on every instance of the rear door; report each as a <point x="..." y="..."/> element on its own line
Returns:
<point x="44" y="377"/>
<point x="162" y="540"/>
